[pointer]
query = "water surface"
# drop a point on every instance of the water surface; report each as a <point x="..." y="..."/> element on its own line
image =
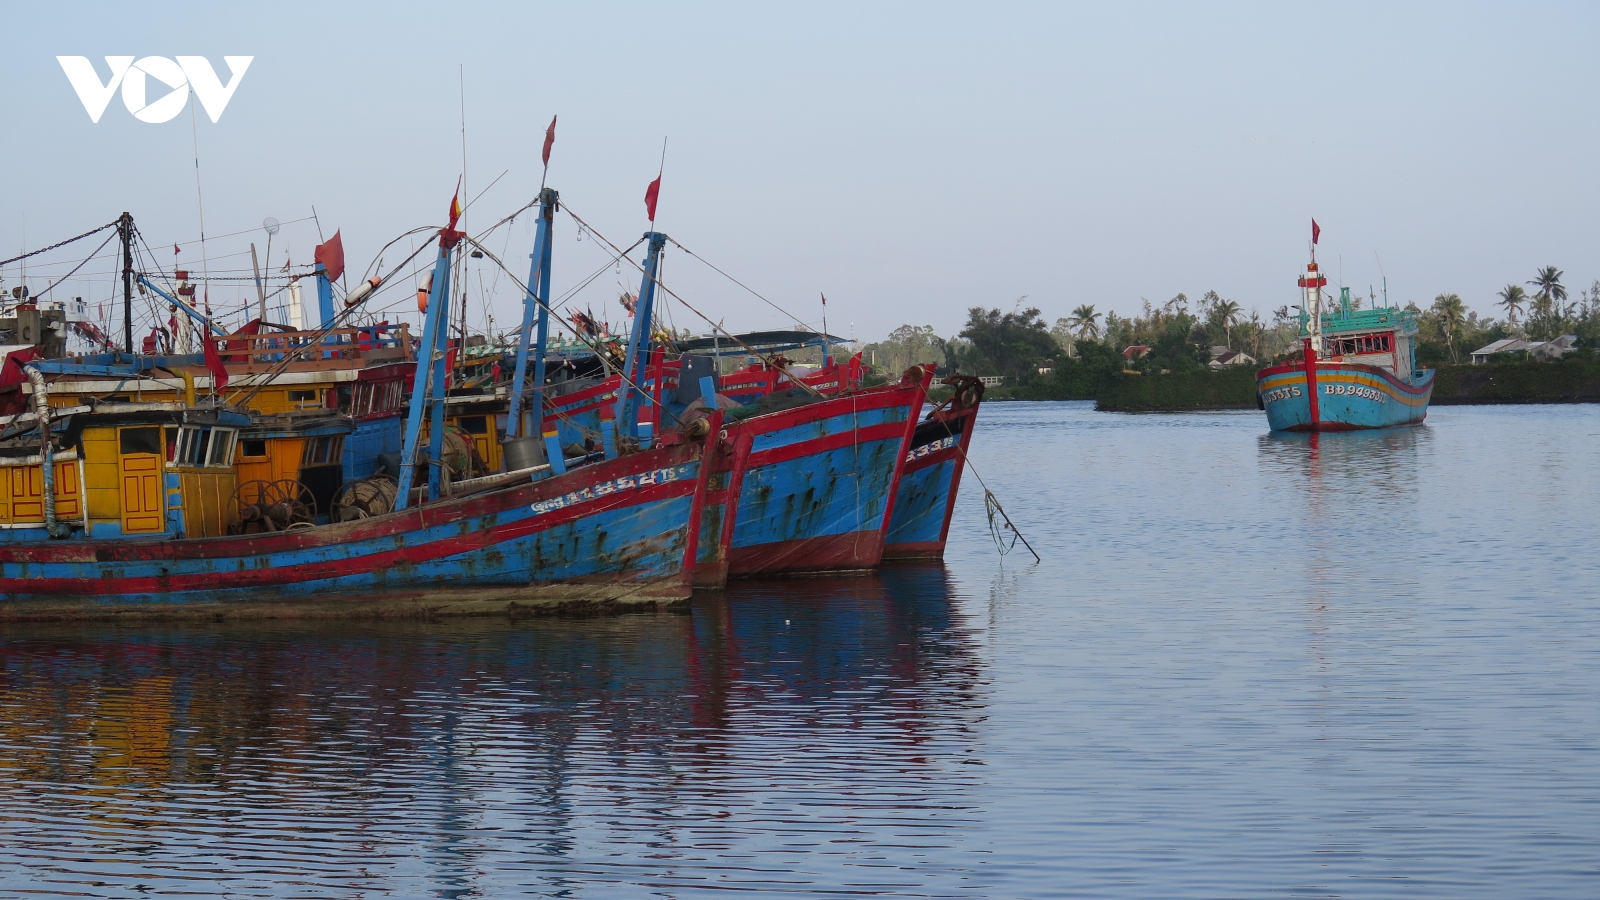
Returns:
<point x="1250" y="665"/>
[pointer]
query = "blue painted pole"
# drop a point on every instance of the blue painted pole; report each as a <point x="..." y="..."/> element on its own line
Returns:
<point x="324" y="296"/>
<point x="535" y="303"/>
<point x="549" y="200"/>
<point x="639" y="339"/>
<point x="423" y="387"/>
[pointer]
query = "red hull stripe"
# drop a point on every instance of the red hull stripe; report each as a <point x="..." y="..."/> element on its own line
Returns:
<point x="360" y="565"/>
<point x="837" y="552"/>
<point x="889" y="432"/>
<point x="407" y="522"/>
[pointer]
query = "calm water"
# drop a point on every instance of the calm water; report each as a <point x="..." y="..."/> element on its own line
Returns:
<point x="1248" y="666"/>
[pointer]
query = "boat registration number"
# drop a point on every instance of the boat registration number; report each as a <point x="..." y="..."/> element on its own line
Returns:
<point x="1282" y="393"/>
<point x="1351" y="390"/>
<point x="615" y="485"/>
<point x="935" y="447"/>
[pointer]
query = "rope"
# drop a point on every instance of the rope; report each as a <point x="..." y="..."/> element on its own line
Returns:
<point x="80" y="237"/>
<point x="109" y="239"/>
<point x="690" y="307"/>
<point x="991" y="506"/>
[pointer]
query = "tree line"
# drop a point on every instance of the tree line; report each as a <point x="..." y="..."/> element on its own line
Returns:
<point x="1086" y="347"/>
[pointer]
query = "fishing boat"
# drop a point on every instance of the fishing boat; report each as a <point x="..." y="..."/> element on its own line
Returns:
<point x="1356" y="368"/>
<point x="925" y="500"/>
<point x="801" y="481"/>
<point x="123" y="506"/>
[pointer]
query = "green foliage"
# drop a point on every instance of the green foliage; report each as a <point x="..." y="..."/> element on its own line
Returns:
<point x="1013" y="344"/>
<point x="905" y="347"/>
<point x="1229" y="388"/>
<point x="1092" y="369"/>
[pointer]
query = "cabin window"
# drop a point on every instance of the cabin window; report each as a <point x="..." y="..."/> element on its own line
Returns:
<point x="192" y="446"/>
<point x="221" y="447"/>
<point x="302" y="396"/>
<point x="140" y="440"/>
<point x="474" y="424"/>
<point x="1355" y="346"/>
<point x="376" y="397"/>
<point x="253" y="448"/>
<point x="200" y="446"/>
<point x="322" y="451"/>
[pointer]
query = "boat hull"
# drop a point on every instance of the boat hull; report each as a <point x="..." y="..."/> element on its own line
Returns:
<point x="615" y="534"/>
<point x="1335" y="396"/>
<point x="809" y="489"/>
<point x="926" y="500"/>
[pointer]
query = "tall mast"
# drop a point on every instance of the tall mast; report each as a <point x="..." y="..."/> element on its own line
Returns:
<point x="125" y="228"/>
<point x="536" y="303"/>
<point x="429" y="386"/>
<point x="639" y="340"/>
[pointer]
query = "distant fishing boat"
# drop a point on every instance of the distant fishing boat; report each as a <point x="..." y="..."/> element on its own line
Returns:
<point x="1356" y="369"/>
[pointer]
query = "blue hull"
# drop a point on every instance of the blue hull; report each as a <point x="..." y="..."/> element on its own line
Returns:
<point x="1340" y="397"/>
<point x="615" y="533"/>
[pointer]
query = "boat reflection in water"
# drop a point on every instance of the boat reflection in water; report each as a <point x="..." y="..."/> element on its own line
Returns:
<point x="804" y="733"/>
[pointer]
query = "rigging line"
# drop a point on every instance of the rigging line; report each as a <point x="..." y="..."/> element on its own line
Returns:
<point x="109" y="239"/>
<point x="7" y="262"/>
<point x="217" y="237"/>
<point x="385" y="247"/>
<point x="576" y="332"/>
<point x="989" y="495"/>
<point x="716" y="326"/>
<point x="738" y="282"/>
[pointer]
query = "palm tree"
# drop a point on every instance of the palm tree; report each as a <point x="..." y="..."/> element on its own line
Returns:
<point x="1548" y="299"/>
<point x="1227" y="312"/>
<point x="1511" y="298"/>
<point x="1084" y="322"/>
<point x="1451" y="312"/>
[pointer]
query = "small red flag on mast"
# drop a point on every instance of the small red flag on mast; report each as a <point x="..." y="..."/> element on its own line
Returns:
<point x="549" y="139"/>
<point x="176" y="249"/>
<point x="455" y="207"/>
<point x="650" y="195"/>
<point x="1316" y="231"/>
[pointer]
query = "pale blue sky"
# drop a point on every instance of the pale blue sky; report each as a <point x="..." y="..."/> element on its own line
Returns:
<point x="910" y="160"/>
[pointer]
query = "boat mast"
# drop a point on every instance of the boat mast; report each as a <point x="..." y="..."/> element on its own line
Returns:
<point x="429" y="385"/>
<point x="125" y="229"/>
<point x="639" y="341"/>
<point x="536" y="303"/>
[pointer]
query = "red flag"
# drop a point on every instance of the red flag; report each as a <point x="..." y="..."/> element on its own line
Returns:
<point x="824" y="298"/>
<point x="549" y="138"/>
<point x="650" y="195"/>
<point x="1316" y="231"/>
<point x="176" y="249"/>
<point x="331" y="256"/>
<point x="219" y="373"/>
<point x="455" y="207"/>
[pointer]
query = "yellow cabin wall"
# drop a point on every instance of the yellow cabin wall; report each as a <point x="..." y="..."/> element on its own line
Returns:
<point x="208" y="501"/>
<point x="100" y="474"/>
<point x="22" y="494"/>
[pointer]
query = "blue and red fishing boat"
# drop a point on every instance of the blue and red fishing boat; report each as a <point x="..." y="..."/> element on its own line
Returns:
<point x="124" y="507"/>
<point x="926" y="497"/>
<point x="1356" y="368"/>
<point x="809" y="489"/>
